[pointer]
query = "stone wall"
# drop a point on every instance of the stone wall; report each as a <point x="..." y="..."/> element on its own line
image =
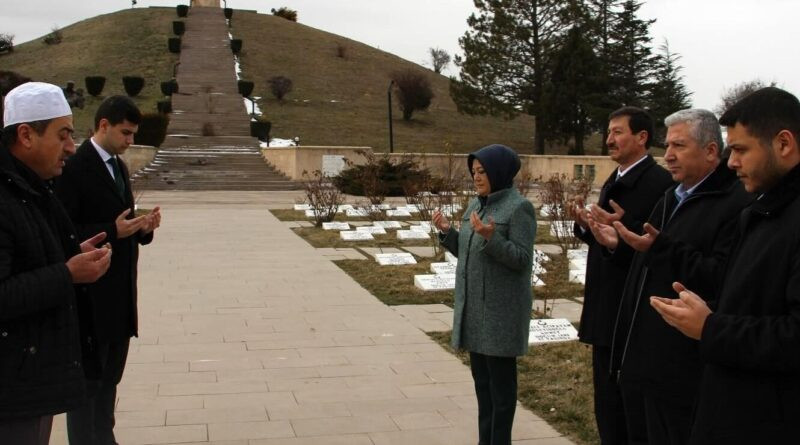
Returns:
<point x="206" y="3"/>
<point x="293" y="160"/>
<point x="138" y="156"/>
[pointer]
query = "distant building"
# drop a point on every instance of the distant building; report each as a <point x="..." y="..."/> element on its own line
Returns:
<point x="206" y="3"/>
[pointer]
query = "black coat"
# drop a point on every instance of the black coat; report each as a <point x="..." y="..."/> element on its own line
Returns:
<point x="40" y="352"/>
<point x="93" y="202"/>
<point x="694" y="244"/>
<point x="750" y="345"/>
<point x="636" y="192"/>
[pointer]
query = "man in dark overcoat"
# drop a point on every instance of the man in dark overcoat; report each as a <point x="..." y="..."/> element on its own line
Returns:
<point x="41" y="263"/>
<point x="750" y="342"/>
<point x="96" y="191"/>
<point x="635" y="185"/>
<point x="688" y="237"/>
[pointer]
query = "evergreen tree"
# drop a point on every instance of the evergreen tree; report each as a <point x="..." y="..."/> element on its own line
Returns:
<point x="506" y="52"/>
<point x="668" y="93"/>
<point x="603" y="17"/>
<point x="575" y="88"/>
<point x="630" y="59"/>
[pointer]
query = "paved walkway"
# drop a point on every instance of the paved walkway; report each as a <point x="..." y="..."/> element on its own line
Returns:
<point x="249" y="336"/>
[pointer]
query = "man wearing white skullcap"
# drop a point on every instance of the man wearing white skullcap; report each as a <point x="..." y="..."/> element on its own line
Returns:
<point x="42" y="268"/>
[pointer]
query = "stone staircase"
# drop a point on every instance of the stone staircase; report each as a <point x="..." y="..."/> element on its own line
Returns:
<point x="208" y="145"/>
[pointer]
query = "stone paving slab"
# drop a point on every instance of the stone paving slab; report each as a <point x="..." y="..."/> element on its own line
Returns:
<point x="299" y="353"/>
<point x="561" y="308"/>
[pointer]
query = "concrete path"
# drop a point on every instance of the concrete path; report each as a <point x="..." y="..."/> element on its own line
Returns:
<point x="249" y="336"/>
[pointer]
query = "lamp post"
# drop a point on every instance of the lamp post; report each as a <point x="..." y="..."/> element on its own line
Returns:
<point x="391" y="135"/>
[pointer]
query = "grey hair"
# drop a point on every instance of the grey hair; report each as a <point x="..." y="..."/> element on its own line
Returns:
<point x="704" y="125"/>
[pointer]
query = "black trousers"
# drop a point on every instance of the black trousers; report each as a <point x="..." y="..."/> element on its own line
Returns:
<point x="93" y="423"/>
<point x="30" y="431"/>
<point x="609" y="410"/>
<point x="496" y="388"/>
<point x="657" y="419"/>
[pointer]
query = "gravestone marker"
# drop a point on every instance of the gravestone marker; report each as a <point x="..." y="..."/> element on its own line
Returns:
<point x="435" y="282"/>
<point x="355" y="235"/>
<point x="302" y="207"/>
<point x="399" y="213"/>
<point x="394" y="259"/>
<point x="412" y="234"/>
<point x="335" y="226"/>
<point x="388" y="224"/>
<point x="551" y="331"/>
<point x="375" y="230"/>
<point x="332" y="165"/>
<point x="443" y="268"/>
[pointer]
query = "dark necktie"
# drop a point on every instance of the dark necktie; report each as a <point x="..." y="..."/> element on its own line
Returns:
<point x="117" y="175"/>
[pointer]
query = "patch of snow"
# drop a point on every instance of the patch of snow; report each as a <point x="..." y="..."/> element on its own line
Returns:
<point x="277" y="143"/>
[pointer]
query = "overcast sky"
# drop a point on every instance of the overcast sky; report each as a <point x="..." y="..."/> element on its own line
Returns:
<point x="722" y="42"/>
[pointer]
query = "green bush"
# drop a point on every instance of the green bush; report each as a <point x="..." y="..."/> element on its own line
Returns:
<point x="260" y="128"/>
<point x="236" y="46"/>
<point x="133" y="85"/>
<point x="164" y="106"/>
<point x="178" y="27"/>
<point x="174" y="44"/>
<point x="152" y="129"/>
<point x="95" y="84"/>
<point x="393" y="176"/>
<point x="169" y="87"/>
<point x="228" y="13"/>
<point x="183" y="10"/>
<point x="246" y="87"/>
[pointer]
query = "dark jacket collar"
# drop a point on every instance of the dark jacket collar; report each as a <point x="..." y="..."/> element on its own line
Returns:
<point x="630" y="177"/>
<point x="782" y="194"/>
<point x="719" y="181"/>
<point x="19" y="174"/>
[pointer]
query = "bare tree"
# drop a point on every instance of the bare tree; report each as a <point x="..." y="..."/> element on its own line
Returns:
<point x="6" y="43"/>
<point x="413" y="91"/>
<point x="440" y="59"/>
<point x="739" y="91"/>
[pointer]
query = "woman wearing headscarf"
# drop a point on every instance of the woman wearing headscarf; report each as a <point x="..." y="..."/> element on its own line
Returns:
<point x="493" y="297"/>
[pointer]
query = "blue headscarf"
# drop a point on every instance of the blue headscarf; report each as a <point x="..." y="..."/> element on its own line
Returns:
<point x="501" y="164"/>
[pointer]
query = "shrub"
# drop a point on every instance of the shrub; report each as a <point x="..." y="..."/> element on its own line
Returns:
<point x="164" y="106"/>
<point x="95" y="85"/>
<point x="182" y="10"/>
<point x="391" y="175"/>
<point x="6" y="43"/>
<point x="169" y="87"/>
<point x="413" y="91"/>
<point x="280" y="86"/>
<point x="174" y="44"/>
<point x="439" y="59"/>
<point x="286" y="13"/>
<point x="341" y="50"/>
<point x="152" y="129"/>
<point x="559" y="196"/>
<point x="236" y="46"/>
<point x="245" y="87"/>
<point x="260" y="128"/>
<point x="322" y="196"/>
<point x="133" y="85"/>
<point x="54" y="38"/>
<point x="228" y="13"/>
<point x="178" y="27"/>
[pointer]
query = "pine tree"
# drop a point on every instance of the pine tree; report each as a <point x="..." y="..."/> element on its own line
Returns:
<point x="603" y="17"/>
<point x="506" y="52"/>
<point x="668" y="94"/>
<point x="630" y="58"/>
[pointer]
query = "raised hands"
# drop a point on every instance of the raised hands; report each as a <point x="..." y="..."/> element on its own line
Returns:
<point x="607" y="218"/>
<point x="91" y="263"/>
<point x="152" y="221"/>
<point x="687" y="313"/>
<point x="484" y="230"/>
<point x="440" y="221"/>
<point x="641" y="243"/>
<point x="127" y="227"/>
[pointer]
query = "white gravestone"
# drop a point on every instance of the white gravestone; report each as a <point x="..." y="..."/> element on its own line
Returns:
<point x="435" y="282"/>
<point x="425" y="228"/>
<point x="536" y="281"/>
<point x="388" y="224"/>
<point x="563" y="228"/>
<point x="355" y="235"/>
<point x="443" y="268"/>
<point x="577" y="276"/>
<point x="357" y="213"/>
<point x="412" y="234"/>
<point x="302" y="207"/>
<point x="394" y="259"/>
<point x="372" y="229"/>
<point x="312" y="212"/>
<point x="332" y="165"/>
<point x="540" y="257"/>
<point x="577" y="253"/>
<point x="399" y="213"/>
<point x="551" y="331"/>
<point x="449" y="257"/>
<point x="335" y="226"/>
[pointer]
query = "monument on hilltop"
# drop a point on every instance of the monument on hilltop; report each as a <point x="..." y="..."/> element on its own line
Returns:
<point x="206" y="3"/>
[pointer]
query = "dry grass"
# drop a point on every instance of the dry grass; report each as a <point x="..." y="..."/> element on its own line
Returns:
<point x="128" y="42"/>
<point x="396" y="287"/>
<point x="555" y="382"/>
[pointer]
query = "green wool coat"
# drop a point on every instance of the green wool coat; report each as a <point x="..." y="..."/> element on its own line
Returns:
<point x="493" y="296"/>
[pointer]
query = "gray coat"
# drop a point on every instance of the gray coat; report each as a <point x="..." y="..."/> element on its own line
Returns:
<point x="493" y="296"/>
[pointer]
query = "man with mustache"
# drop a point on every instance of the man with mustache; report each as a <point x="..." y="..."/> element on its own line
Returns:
<point x="635" y="185"/>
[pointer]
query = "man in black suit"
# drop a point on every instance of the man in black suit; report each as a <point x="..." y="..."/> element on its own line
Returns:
<point x="749" y="341"/>
<point x="96" y="191"/>
<point x="635" y="186"/>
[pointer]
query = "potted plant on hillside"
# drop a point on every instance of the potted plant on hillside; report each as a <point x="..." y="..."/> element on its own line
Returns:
<point x="175" y="45"/>
<point x="183" y="10"/>
<point x="236" y="46"/>
<point x="95" y="84"/>
<point x="133" y="85"/>
<point x="228" y="13"/>
<point x="245" y="87"/>
<point x="178" y="27"/>
<point x="260" y="127"/>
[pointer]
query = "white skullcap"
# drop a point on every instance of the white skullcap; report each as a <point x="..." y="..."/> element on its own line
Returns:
<point x="34" y="101"/>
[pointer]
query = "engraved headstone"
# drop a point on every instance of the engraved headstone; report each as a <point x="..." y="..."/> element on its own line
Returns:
<point x="388" y="224"/>
<point x="375" y="230"/>
<point x="443" y="268"/>
<point x="435" y="282"/>
<point x="335" y="226"/>
<point x="302" y="207"/>
<point x="399" y="213"/>
<point x="354" y="235"/>
<point x="412" y="234"/>
<point x="551" y="330"/>
<point x="394" y="259"/>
